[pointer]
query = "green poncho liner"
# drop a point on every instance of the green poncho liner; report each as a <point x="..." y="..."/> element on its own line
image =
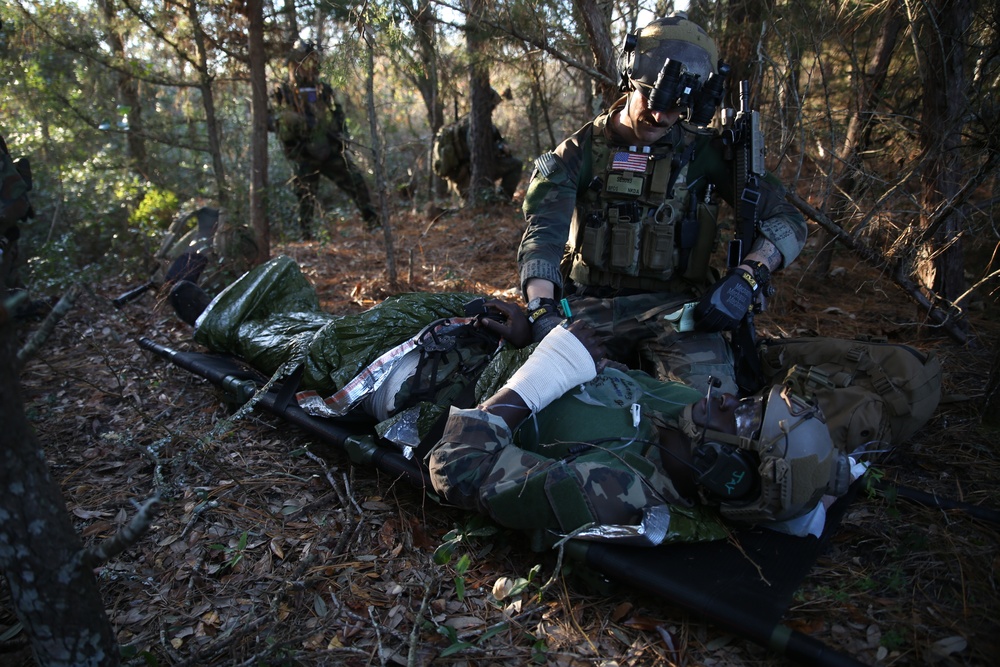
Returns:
<point x="271" y="316"/>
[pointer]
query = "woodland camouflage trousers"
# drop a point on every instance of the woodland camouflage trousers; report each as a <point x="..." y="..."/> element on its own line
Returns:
<point x="639" y="336"/>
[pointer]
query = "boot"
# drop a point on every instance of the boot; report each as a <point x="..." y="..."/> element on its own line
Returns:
<point x="189" y="301"/>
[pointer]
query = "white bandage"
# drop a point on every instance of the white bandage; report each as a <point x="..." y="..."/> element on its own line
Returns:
<point x="559" y="363"/>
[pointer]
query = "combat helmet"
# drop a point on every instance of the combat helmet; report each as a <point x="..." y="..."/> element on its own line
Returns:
<point x="675" y="64"/>
<point x="778" y="466"/>
<point x="303" y="62"/>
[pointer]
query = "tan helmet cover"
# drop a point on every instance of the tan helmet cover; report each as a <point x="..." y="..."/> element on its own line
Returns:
<point x="674" y="38"/>
<point x="798" y="462"/>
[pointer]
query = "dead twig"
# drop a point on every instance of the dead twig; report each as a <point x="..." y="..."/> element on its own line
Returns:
<point x="411" y="655"/>
<point x="48" y="325"/>
<point x="875" y="259"/>
<point x="124" y="538"/>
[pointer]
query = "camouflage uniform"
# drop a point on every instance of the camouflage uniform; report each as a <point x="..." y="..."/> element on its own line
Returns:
<point x="452" y="159"/>
<point x="14" y="207"/>
<point x="565" y="192"/>
<point x="310" y="124"/>
<point x="586" y="462"/>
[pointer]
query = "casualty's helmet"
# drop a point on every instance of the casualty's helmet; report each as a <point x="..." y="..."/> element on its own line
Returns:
<point x="777" y="467"/>
<point x="675" y="63"/>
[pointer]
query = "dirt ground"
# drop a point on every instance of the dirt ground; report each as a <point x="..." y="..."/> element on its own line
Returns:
<point x="269" y="549"/>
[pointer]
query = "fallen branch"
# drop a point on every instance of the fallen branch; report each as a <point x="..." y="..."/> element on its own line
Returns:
<point x="48" y="325"/>
<point x="872" y="257"/>
<point x="949" y="206"/>
<point x="124" y="538"/>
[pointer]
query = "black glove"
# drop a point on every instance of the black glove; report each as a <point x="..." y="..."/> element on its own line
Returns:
<point x="544" y="316"/>
<point x="727" y="303"/>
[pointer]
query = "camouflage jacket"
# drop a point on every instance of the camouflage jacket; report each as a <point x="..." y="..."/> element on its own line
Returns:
<point x="562" y="179"/>
<point x="13" y="192"/>
<point x="309" y="121"/>
<point x="589" y="457"/>
<point x="451" y="147"/>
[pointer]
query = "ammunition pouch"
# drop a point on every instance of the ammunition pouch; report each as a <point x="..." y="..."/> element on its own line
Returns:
<point x="643" y="231"/>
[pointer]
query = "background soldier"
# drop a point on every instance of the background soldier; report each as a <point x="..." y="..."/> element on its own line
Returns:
<point x="309" y="121"/>
<point x="453" y="159"/>
<point x="15" y="182"/>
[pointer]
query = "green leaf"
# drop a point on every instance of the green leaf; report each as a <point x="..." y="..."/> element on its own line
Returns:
<point x="492" y="632"/>
<point x="539" y="652"/>
<point x="455" y="648"/>
<point x="442" y="555"/>
<point x="448" y="632"/>
<point x="519" y="585"/>
<point x="462" y="566"/>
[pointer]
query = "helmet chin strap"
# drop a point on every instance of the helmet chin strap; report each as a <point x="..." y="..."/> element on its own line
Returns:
<point x="700" y="433"/>
<point x="725" y="469"/>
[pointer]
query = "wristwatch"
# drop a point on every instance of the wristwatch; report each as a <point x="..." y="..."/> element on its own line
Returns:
<point x="539" y="307"/>
<point x="761" y="273"/>
<point x="761" y="276"/>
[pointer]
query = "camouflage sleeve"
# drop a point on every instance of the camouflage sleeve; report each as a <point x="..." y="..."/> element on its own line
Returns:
<point x="548" y="207"/>
<point x="780" y="223"/>
<point x="476" y="466"/>
<point x="461" y="460"/>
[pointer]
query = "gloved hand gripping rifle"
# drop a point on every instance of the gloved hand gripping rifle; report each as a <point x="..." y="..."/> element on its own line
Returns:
<point x="743" y="141"/>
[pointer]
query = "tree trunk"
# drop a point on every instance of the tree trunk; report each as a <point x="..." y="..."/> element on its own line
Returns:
<point x="597" y="23"/>
<point x="868" y="87"/>
<point x="739" y="43"/>
<point x="378" y="164"/>
<point x="258" y="137"/>
<point x="941" y="52"/>
<point x="208" y="102"/>
<point x="539" y="108"/>
<point x="480" y="114"/>
<point x="422" y="18"/>
<point x="54" y="592"/>
<point x="128" y="94"/>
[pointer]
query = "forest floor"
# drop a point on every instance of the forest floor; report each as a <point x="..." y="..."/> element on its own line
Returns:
<point x="271" y="550"/>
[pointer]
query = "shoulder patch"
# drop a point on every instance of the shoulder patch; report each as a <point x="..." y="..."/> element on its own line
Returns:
<point x="547" y="164"/>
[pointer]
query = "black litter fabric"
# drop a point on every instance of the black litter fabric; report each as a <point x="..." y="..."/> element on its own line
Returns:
<point x="744" y="590"/>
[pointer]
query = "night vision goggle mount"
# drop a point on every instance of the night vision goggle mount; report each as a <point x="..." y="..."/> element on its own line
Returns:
<point x="676" y="87"/>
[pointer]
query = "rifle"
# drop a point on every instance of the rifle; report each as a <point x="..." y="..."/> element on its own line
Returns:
<point x="743" y="142"/>
<point x="187" y="266"/>
<point x="190" y="264"/>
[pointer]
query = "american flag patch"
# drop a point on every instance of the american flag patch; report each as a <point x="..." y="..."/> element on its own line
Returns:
<point x="630" y="161"/>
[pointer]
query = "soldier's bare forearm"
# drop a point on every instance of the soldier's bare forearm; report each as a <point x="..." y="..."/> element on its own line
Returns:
<point x="539" y="288"/>
<point x="508" y="405"/>
<point x="766" y="253"/>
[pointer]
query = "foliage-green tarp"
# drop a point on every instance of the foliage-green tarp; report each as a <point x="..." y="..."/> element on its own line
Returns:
<point x="272" y="315"/>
